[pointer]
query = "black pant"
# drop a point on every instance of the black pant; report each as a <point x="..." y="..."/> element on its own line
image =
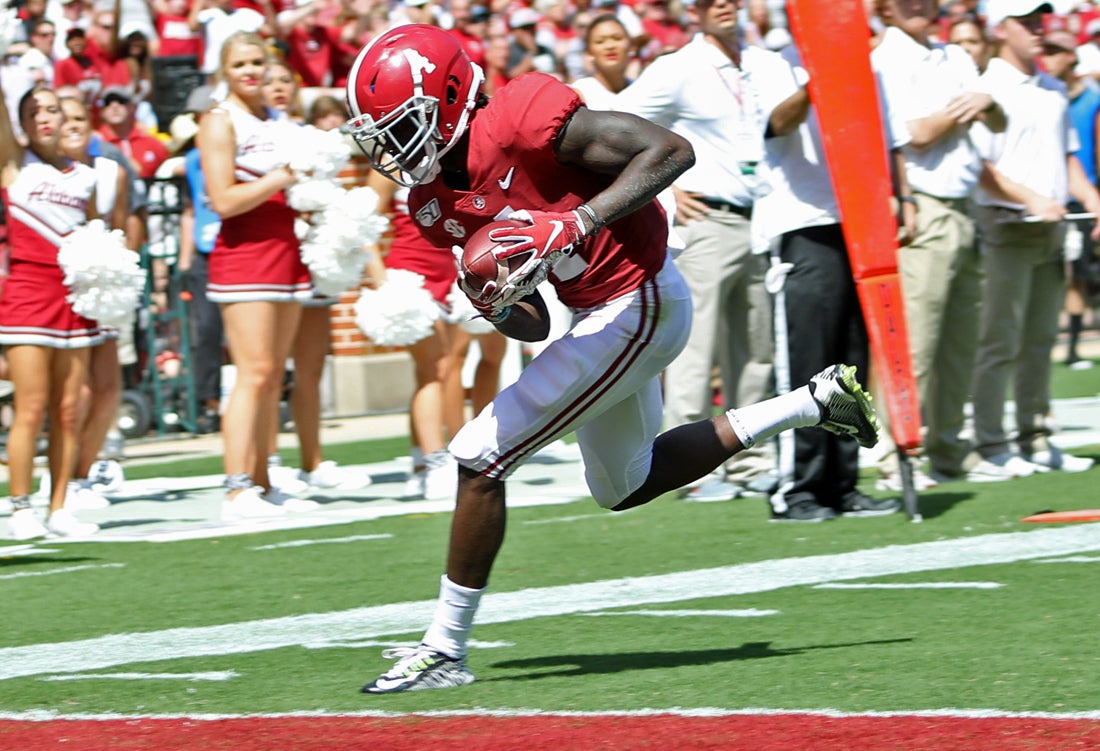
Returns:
<point x="824" y="326"/>
<point x="206" y="333"/>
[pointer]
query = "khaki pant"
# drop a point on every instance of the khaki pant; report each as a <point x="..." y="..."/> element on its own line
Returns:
<point x="1022" y="297"/>
<point x="731" y="326"/>
<point x="941" y="279"/>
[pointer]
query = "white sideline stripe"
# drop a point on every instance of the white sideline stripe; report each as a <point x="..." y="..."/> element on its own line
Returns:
<point x="213" y="675"/>
<point x="304" y="543"/>
<point x="48" y="715"/>
<point x="915" y="585"/>
<point x="66" y="570"/>
<point x="361" y="643"/>
<point x="746" y="613"/>
<point x="409" y="617"/>
<point x="1072" y="559"/>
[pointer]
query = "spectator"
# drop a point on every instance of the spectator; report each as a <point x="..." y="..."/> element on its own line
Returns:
<point x="311" y="343"/>
<point x="969" y="34"/>
<point x="607" y="54"/>
<point x="78" y="69"/>
<point x="936" y="92"/>
<point x="312" y="46"/>
<point x="199" y="231"/>
<point x="1088" y="53"/>
<point x="220" y="19"/>
<point x="46" y="344"/>
<point x="498" y="50"/>
<point x="662" y="28"/>
<point x="134" y="51"/>
<point x="66" y="16"/>
<point x="818" y="312"/>
<point x="717" y="109"/>
<point x="104" y="48"/>
<point x="1030" y="171"/>
<point x="527" y="52"/>
<point x="256" y="272"/>
<point x="1058" y="59"/>
<point x="174" y="31"/>
<point x="469" y="28"/>
<point x="573" y="169"/>
<point x="120" y="127"/>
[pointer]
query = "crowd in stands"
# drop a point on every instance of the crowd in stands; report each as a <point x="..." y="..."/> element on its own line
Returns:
<point x="639" y="56"/>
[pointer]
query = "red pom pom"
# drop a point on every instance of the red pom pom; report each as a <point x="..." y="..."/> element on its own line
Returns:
<point x="480" y="266"/>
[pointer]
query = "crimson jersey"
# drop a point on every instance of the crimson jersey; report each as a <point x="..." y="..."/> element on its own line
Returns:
<point x="512" y="166"/>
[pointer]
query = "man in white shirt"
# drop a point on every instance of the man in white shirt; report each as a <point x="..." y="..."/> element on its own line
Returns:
<point x="220" y="21"/>
<point x="1030" y="172"/>
<point x="935" y="91"/>
<point x="705" y="92"/>
<point x="818" y="313"/>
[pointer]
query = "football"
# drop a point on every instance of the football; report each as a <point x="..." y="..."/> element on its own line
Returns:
<point x="480" y="265"/>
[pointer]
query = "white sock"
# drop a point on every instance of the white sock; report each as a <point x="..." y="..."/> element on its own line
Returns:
<point x="760" y="421"/>
<point x="454" y="617"/>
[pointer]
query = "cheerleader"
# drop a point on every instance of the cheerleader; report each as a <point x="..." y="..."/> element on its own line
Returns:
<point x="100" y="395"/>
<point x="256" y="273"/>
<point x="47" y="344"/>
<point x="311" y="347"/>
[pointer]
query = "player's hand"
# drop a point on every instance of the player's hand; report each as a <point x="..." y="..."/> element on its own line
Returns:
<point x="547" y="237"/>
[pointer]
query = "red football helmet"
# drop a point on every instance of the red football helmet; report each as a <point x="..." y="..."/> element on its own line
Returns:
<point x="410" y="93"/>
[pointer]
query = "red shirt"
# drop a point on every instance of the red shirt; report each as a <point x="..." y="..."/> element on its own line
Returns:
<point x="312" y="53"/>
<point x="113" y="71"/>
<point x="512" y="165"/>
<point x="145" y="151"/>
<point x="473" y="44"/>
<point x="82" y="73"/>
<point x="176" y="37"/>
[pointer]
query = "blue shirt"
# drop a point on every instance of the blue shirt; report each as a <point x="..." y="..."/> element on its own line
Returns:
<point x="207" y="223"/>
<point x="1083" y="111"/>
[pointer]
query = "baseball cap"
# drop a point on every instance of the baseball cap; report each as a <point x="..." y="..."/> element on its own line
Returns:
<point x="112" y="94"/>
<point x="1062" y="40"/>
<point x="523" y="17"/>
<point x="998" y="10"/>
<point x="75" y="31"/>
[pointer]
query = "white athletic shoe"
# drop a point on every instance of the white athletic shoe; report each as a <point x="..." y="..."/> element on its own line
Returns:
<point x="1055" y="458"/>
<point x="1011" y="463"/>
<point x="279" y="497"/>
<point x="414" y="484"/>
<point x="249" y="504"/>
<point x="845" y="408"/>
<point x="328" y="475"/>
<point x="80" y="497"/>
<point x="891" y="482"/>
<point x="441" y="476"/>
<point x="24" y="525"/>
<point x="106" y="477"/>
<point x="62" y="523"/>
<point x="419" y="668"/>
<point x="286" y="478"/>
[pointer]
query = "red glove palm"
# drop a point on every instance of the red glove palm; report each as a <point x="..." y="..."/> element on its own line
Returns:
<point x="548" y="237"/>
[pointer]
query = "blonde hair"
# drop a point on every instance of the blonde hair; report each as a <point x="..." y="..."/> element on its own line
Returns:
<point x="240" y="39"/>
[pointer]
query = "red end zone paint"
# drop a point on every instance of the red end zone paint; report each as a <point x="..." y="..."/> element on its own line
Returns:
<point x="804" y="732"/>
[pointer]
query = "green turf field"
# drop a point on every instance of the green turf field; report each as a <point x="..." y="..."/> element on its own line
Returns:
<point x="673" y="605"/>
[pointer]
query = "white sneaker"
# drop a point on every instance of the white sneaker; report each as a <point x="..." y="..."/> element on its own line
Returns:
<point x="62" y="523"/>
<point x="279" y="497"/>
<point x="286" y="478"/>
<point x="713" y="489"/>
<point x="1010" y="463"/>
<point x="1055" y="458"/>
<point x="441" y="476"/>
<point x="106" y="476"/>
<point x="249" y="504"/>
<point x="328" y="475"/>
<point x="80" y="497"/>
<point x="414" y="484"/>
<point x="24" y="525"/>
<point x="845" y="407"/>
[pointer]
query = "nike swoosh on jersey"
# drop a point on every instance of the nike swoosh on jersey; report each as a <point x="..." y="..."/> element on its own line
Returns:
<point x="506" y="181"/>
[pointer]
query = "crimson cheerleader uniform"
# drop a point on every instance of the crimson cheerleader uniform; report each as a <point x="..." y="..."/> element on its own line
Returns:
<point x="256" y="257"/>
<point x="411" y="251"/>
<point x="45" y="205"/>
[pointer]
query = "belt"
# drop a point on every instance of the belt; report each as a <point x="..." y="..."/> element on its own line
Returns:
<point x="726" y="206"/>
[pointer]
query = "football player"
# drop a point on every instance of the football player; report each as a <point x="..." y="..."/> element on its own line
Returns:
<point x="583" y="183"/>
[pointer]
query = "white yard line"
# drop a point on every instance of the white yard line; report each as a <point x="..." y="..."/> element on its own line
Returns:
<point x="914" y="585"/>
<point x="745" y="613"/>
<point x="65" y="570"/>
<point x="411" y="617"/>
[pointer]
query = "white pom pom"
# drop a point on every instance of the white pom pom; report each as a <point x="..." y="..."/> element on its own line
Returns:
<point x="316" y="153"/>
<point x="104" y="277"/>
<point x="464" y="314"/>
<point x="398" y="313"/>
<point x="341" y="223"/>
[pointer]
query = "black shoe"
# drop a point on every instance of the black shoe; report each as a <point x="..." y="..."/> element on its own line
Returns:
<point x="804" y="511"/>
<point x="856" y="503"/>
<point x="208" y="422"/>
